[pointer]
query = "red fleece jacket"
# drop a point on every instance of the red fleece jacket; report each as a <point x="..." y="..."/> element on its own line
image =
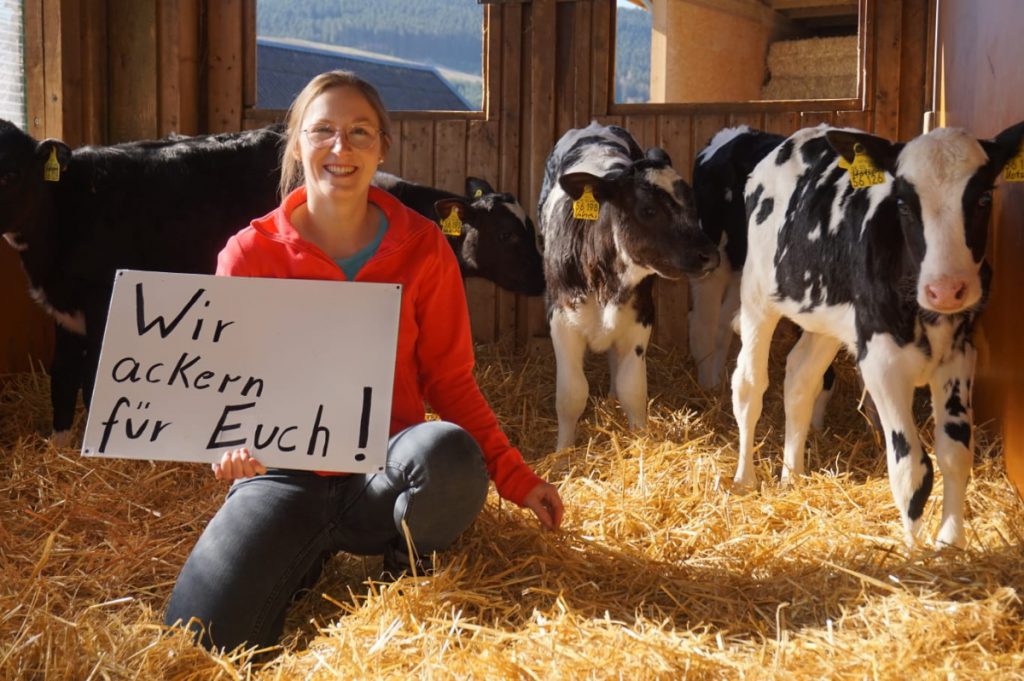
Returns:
<point x="435" y="349"/>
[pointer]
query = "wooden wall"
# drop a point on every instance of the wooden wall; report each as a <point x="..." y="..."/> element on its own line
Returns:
<point x="113" y="70"/>
<point x="980" y="91"/>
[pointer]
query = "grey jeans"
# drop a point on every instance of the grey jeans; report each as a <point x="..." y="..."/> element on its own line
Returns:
<point x="274" y="531"/>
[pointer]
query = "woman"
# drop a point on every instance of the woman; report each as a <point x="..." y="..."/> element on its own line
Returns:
<point x="276" y="527"/>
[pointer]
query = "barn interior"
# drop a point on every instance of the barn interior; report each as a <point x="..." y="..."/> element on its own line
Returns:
<point x="661" y="570"/>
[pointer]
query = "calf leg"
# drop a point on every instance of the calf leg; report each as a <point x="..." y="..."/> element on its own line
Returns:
<point x="889" y="379"/>
<point x="811" y="355"/>
<point x="630" y="352"/>
<point x="571" y="386"/>
<point x="707" y="293"/>
<point x="954" y="439"/>
<point x="726" y="320"/>
<point x="749" y="381"/>
<point x="828" y="383"/>
<point x="66" y="376"/>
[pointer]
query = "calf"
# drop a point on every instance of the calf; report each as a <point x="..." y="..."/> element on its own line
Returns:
<point x="719" y="175"/>
<point x="611" y="219"/>
<point x="167" y="205"/>
<point x="894" y="272"/>
<point x="496" y="240"/>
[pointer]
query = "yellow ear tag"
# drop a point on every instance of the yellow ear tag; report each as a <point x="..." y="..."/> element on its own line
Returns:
<point x="478" y="193"/>
<point x="51" y="171"/>
<point x="586" y="207"/>
<point x="452" y="225"/>
<point x="863" y="172"/>
<point x="1014" y="170"/>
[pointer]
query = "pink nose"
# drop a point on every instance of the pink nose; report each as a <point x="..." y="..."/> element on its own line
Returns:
<point x="946" y="294"/>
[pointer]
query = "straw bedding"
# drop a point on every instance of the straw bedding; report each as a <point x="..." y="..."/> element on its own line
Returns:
<point x="660" y="571"/>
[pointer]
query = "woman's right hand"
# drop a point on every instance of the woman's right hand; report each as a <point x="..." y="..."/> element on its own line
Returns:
<point x="237" y="464"/>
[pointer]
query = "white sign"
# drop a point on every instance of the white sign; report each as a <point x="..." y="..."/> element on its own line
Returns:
<point x="300" y="372"/>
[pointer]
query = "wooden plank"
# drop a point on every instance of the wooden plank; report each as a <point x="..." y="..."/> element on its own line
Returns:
<point x="567" y="33"/>
<point x="509" y="113"/>
<point x="582" y="64"/>
<point x="888" y="30"/>
<point x="94" y="71"/>
<point x="751" y="119"/>
<point x="543" y="55"/>
<point x="71" y="71"/>
<point x="775" y="105"/>
<point x="644" y="130"/>
<point x="515" y="102"/>
<point x="809" y="119"/>
<point x="418" y="151"/>
<point x="913" y="93"/>
<point x="492" y="61"/>
<point x="224" y="68"/>
<point x="782" y="123"/>
<point x="35" y="73"/>
<point x="482" y="161"/>
<point x="168" y="67"/>
<point x="853" y="119"/>
<point x="133" y="70"/>
<point x="704" y="128"/>
<point x="674" y="138"/>
<point x="450" y="156"/>
<point x="53" y="111"/>
<point x="672" y="298"/>
<point x="249" y="54"/>
<point x="602" y="40"/>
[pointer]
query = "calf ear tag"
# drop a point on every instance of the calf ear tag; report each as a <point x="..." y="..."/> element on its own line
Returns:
<point x="586" y="207"/>
<point x="863" y="172"/>
<point x="478" y="193"/>
<point x="51" y="170"/>
<point x="452" y="225"/>
<point x="1014" y="170"/>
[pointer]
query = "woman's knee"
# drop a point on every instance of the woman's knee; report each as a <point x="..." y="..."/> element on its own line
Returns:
<point x="437" y="450"/>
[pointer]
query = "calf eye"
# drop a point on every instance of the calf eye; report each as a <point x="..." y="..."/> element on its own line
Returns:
<point x="648" y="212"/>
<point x="7" y="178"/>
<point x="985" y="200"/>
<point x="508" y="237"/>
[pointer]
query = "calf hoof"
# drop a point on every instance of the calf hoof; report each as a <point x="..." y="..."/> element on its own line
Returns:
<point x="950" y="537"/>
<point x="61" y="438"/>
<point x="744" y="485"/>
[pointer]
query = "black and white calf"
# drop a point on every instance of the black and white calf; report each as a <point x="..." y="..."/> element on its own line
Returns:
<point x="166" y="205"/>
<point x="894" y="272"/>
<point x="636" y="220"/>
<point x="496" y="239"/>
<point x="720" y="173"/>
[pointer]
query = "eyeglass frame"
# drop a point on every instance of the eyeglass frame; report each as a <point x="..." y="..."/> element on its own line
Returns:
<point x="343" y="133"/>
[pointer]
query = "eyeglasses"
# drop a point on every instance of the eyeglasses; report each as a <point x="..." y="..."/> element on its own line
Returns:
<point x="357" y="135"/>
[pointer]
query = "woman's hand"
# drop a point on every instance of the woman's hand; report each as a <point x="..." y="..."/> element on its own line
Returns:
<point x="236" y="464"/>
<point x="545" y="503"/>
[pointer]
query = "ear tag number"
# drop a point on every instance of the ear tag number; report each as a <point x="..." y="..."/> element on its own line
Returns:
<point x="863" y="172"/>
<point x="1014" y="170"/>
<point x="452" y="225"/>
<point x="51" y="171"/>
<point x="586" y="207"/>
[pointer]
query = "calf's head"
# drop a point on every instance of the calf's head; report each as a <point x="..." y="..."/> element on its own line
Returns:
<point x="22" y="166"/>
<point x="499" y="238"/>
<point x="652" y="214"/>
<point x="942" y="187"/>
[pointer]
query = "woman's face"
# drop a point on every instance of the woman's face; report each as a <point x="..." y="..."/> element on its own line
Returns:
<point x="339" y="169"/>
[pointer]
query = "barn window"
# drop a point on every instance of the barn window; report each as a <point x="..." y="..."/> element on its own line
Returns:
<point x="419" y="55"/>
<point x="12" y="73"/>
<point x="696" y="51"/>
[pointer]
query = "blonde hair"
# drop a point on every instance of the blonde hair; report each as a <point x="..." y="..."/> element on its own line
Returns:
<point x="291" y="164"/>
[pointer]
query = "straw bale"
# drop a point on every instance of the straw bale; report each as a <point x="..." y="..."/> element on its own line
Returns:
<point x="812" y="68"/>
<point x="661" y="570"/>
